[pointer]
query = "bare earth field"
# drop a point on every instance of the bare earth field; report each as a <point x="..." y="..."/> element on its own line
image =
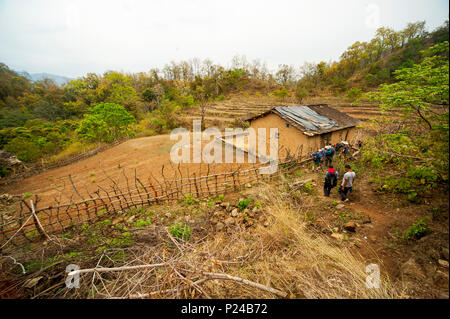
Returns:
<point x="147" y="157"/>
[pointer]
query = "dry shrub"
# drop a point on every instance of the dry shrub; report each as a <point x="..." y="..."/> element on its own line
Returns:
<point x="288" y="256"/>
<point x="73" y="149"/>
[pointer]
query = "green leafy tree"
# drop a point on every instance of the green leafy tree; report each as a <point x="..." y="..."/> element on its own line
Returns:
<point x="419" y="151"/>
<point x="420" y="88"/>
<point x="106" y="122"/>
<point x="301" y="94"/>
<point x="24" y="149"/>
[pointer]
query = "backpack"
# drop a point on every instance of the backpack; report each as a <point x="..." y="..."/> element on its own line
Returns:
<point x="316" y="156"/>
<point x="330" y="152"/>
<point x="331" y="179"/>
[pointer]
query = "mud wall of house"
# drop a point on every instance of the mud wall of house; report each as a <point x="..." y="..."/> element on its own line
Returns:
<point x="343" y="135"/>
<point x="288" y="137"/>
<point x="291" y="138"/>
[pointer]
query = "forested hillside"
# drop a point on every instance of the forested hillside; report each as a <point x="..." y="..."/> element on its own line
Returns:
<point x="43" y="120"/>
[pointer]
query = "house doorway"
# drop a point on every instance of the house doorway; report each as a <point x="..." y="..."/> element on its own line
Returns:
<point x="325" y="139"/>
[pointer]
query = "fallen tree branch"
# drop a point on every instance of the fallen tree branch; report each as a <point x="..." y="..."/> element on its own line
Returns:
<point x="159" y="292"/>
<point x="104" y="269"/>
<point x="213" y="276"/>
<point x="21" y="227"/>
<point x="16" y="263"/>
<point x="253" y="284"/>
<point x="300" y="183"/>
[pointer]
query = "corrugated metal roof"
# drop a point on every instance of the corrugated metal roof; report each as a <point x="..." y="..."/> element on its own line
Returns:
<point x="308" y="118"/>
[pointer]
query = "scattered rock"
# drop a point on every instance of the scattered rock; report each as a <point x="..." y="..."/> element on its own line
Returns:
<point x="248" y="185"/>
<point x="441" y="279"/>
<point x="234" y="213"/>
<point x="117" y="220"/>
<point x="8" y="160"/>
<point x="444" y="253"/>
<point x="335" y="229"/>
<point x="412" y="270"/>
<point x="225" y="205"/>
<point x="340" y="206"/>
<point x="266" y="224"/>
<point x="443" y="263"/>
<point x="130" y="220"/>
<point x="338" y="236"/>
<point x="214" y="220"/>
<point x="229" y="208"/>
<point x="433" y="254"/>
<point x="30" y="283"/>
<point x="366" y="219"/>
<point x="6" y="197"/>
<point x="229" y="221"/>
<point x="255" y="210"/>
<point x="350" y="226"/>
<point x="219" y="226"/>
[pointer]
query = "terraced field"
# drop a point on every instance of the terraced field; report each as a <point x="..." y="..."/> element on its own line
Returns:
<point x="226" y="112"/>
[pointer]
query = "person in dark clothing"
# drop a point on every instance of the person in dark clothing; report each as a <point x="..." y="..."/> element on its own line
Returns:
<point x="331" y="178"/>
<point x="346" y="150"/>
<point x="338" y="146"/>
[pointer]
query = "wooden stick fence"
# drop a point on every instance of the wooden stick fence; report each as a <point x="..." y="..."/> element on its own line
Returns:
<point x="33" y="223"/>
<point x="43" y="166"/>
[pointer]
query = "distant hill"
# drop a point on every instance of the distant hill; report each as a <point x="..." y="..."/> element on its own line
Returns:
<point x="58" y="79"/>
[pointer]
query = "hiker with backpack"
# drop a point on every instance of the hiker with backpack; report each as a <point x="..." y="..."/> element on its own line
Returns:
<point x="329" y="154"/>
<point x="337" y="147"/>
<point x="345" y="148"/>
<point x="317" y="158"/>
<point x="322" y="153"/>
<point x="347" y="183"/>
<point x="331" y="178"/>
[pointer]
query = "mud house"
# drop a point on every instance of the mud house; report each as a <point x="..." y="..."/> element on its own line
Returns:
<point x="309" y="127"/>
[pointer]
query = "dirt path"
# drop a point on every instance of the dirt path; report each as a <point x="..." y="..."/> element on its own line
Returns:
<point x="373" y="239"/>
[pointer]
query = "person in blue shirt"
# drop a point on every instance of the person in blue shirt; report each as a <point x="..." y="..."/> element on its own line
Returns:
<point x="317" y="159"/>
<point x="329" y="154"/>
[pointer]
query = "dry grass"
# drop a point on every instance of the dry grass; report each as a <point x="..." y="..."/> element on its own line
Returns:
<point x="297" y="260"/>
<point x="73" y="149"/>
<point x="286" y="255"/>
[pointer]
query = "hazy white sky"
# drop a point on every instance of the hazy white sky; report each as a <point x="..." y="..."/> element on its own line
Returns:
<point x="72" y="38"/>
